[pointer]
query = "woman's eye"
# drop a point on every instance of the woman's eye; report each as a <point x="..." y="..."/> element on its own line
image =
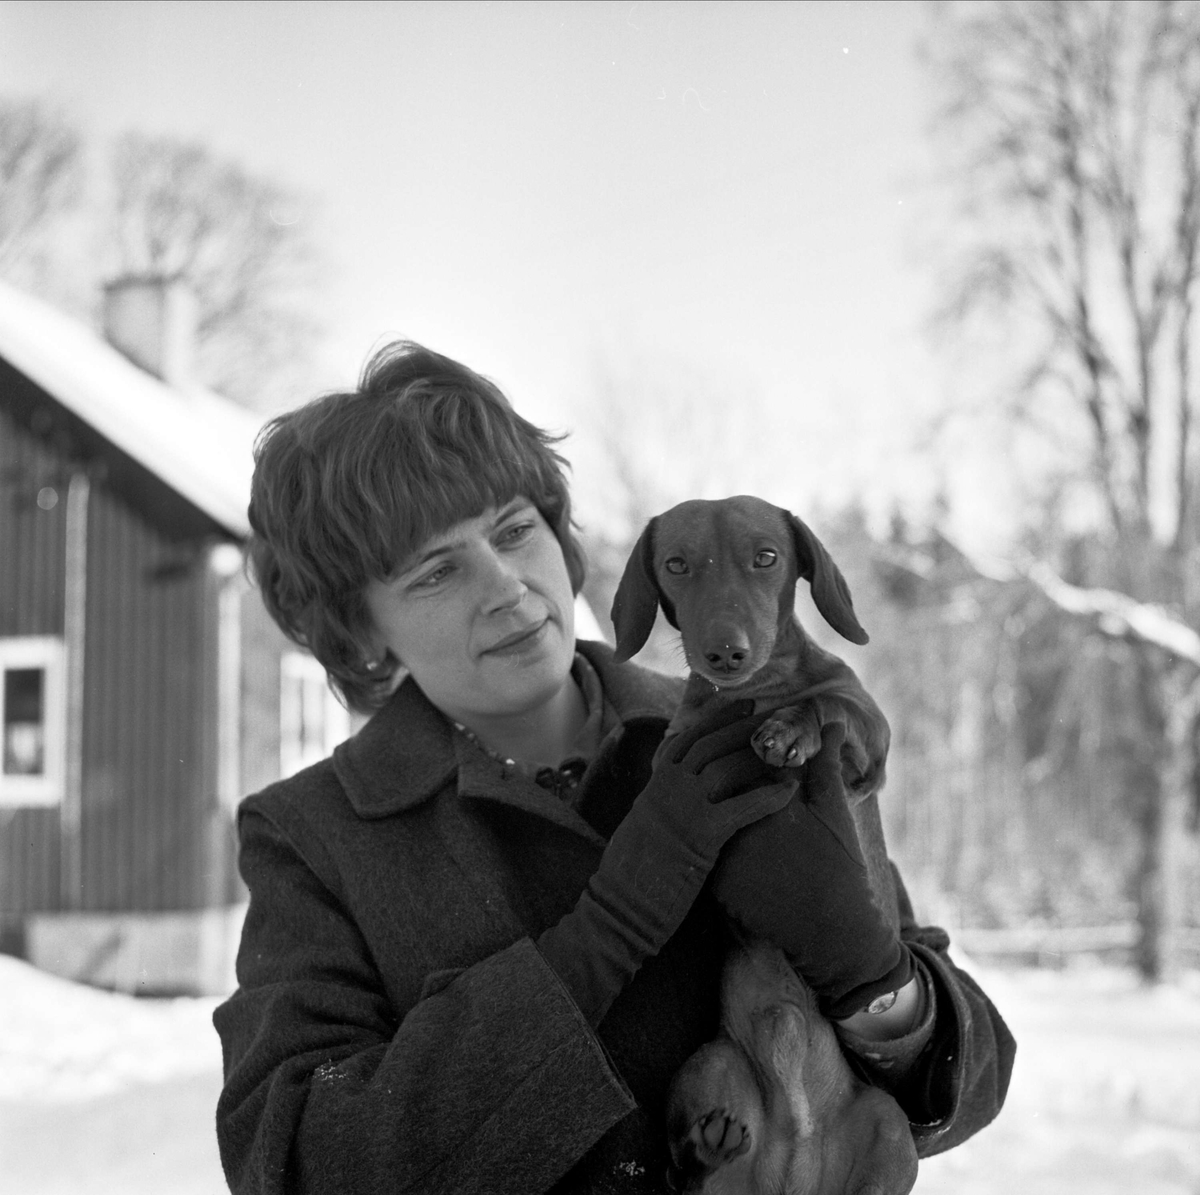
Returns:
<point x="676" y="565"/>
<point x="429" y="580"/>
<point x="765" y="558"/>
<point x="517" y="532"/>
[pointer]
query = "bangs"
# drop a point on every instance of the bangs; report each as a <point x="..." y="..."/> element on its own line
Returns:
<point x="431" y="462"/>
<point x="415" y="510"/>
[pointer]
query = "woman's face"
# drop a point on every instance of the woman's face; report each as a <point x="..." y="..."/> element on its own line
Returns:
<point x="482" y="615"/>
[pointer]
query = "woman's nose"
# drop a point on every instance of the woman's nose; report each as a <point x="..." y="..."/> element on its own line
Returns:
<point x="505" y="587"/>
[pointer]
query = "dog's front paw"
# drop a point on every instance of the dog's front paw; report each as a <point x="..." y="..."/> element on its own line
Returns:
<point x="787" y="739"/>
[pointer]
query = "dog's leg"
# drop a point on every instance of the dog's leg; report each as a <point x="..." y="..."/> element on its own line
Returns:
<point x="715" y="1113"/>
<point x="738" y="1107"/>
<point x="790" y="736"/>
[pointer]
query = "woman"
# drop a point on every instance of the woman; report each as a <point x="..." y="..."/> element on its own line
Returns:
<point x="479" y="942"/>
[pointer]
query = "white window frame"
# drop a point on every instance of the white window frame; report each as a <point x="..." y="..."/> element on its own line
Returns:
<point x="299" y="673"/>
<point x="47" y="653"/>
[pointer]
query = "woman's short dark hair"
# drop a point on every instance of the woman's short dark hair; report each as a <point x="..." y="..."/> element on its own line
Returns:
<point x="348" y="486"/>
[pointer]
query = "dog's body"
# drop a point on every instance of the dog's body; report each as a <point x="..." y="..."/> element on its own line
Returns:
<point x="770" y="1107"/>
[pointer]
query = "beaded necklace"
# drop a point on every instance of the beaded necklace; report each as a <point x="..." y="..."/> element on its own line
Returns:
<point x="564" y="779"/>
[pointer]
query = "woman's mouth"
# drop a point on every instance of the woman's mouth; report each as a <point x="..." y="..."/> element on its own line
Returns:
<point x="519" y="641"/>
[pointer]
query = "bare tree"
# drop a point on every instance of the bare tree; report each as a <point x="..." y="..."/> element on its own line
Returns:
<point x="243" y="242"/>
<point x="1075" y="129"/>
<point x="1077" y="122"/>
<point x="41" y="176"/>
<point x="240" y="240"/>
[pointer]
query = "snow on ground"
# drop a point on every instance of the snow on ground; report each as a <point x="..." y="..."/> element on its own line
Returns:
<point x="62" y="1042"/>
<point x="111" y="1095"/>
<point x="1105" y="1095"/>
<point x="104" y="1093"/>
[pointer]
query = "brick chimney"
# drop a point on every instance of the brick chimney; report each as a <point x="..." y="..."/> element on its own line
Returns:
<point x="152" y="320"/>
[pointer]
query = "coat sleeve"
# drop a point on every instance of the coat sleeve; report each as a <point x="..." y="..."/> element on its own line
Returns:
<point x="958" y="1084"/>
<point x="490" y="1082"/>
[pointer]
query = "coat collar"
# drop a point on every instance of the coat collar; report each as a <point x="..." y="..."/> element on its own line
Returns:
<point x="409" y="751"/>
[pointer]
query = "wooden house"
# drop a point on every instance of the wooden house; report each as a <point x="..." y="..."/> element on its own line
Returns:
<point x="143" y="689"/>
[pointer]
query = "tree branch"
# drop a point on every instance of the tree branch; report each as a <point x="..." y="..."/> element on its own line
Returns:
<point x="1118" y="615"/>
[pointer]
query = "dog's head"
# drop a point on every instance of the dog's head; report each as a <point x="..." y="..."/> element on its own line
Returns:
<point x="724" y="573"/>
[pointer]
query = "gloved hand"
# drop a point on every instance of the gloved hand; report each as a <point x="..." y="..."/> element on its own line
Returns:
<point x="707" y="784"/>
<point x="799" y="880"/>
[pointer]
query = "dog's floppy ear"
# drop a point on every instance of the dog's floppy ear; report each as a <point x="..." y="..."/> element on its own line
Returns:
<point x="830" y="593"/>
<point x="637" y="598"/>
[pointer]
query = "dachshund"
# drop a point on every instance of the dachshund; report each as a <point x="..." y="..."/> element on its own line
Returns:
<point x="770" y="1107"/>
<point x="725" y="573"/>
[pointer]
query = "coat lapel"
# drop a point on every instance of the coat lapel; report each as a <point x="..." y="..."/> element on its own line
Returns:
<point x="401" y="758"/>
<point x="485" y="779"/>
<point x="408" y="751"/>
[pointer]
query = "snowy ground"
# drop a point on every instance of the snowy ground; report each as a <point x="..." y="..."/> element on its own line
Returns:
<point x="1105" y="1097"/>
<point x="106" y="1094"/>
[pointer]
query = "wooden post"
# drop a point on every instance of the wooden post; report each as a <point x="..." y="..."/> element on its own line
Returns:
<point x="1182" y="694"/>
<point x="75" y="641"/>
<point x="227" y="586"/>
<point x="224" y="588"/>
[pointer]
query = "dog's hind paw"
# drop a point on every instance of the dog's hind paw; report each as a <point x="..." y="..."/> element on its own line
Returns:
<point x="787" y="742"/>
<point x="718" y="1137"/>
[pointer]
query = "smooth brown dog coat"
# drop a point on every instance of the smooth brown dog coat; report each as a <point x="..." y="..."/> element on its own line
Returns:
<point x="770" y="1107"/>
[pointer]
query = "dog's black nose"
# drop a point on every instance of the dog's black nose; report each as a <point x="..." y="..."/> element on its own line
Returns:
<point x="727" y="658"/>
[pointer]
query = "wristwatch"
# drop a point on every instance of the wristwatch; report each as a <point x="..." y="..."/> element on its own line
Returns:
<point x="882" y="1003"/>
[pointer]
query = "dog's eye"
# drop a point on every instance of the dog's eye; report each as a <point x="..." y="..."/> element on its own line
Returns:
<point x="765" y="558"/>
<point x="676" y="565"/>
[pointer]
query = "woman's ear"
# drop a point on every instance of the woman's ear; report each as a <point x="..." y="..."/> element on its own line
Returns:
<point x="375" y="654"/>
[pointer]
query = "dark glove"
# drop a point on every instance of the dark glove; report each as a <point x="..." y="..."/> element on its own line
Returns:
<point x="799" y="879"/>
<point x="707" y="784"/>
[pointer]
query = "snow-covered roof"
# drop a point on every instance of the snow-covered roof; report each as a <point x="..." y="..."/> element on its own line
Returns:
<point x="199" y="443"/>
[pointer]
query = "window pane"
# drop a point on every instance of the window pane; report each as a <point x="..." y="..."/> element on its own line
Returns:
<point x="301" y="713"/>
<point x="24" y="722"/>
<point x="314" y="719"/>
<point x="23" y="694"/>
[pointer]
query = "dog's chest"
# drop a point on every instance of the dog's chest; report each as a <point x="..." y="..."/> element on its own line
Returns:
<point x="768" y="691"/>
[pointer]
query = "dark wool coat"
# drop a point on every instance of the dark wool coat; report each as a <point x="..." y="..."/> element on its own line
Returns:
<point x="397" y="1030"/>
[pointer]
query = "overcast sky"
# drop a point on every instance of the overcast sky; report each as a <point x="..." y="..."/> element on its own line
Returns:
<point x="723" y="196"/>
